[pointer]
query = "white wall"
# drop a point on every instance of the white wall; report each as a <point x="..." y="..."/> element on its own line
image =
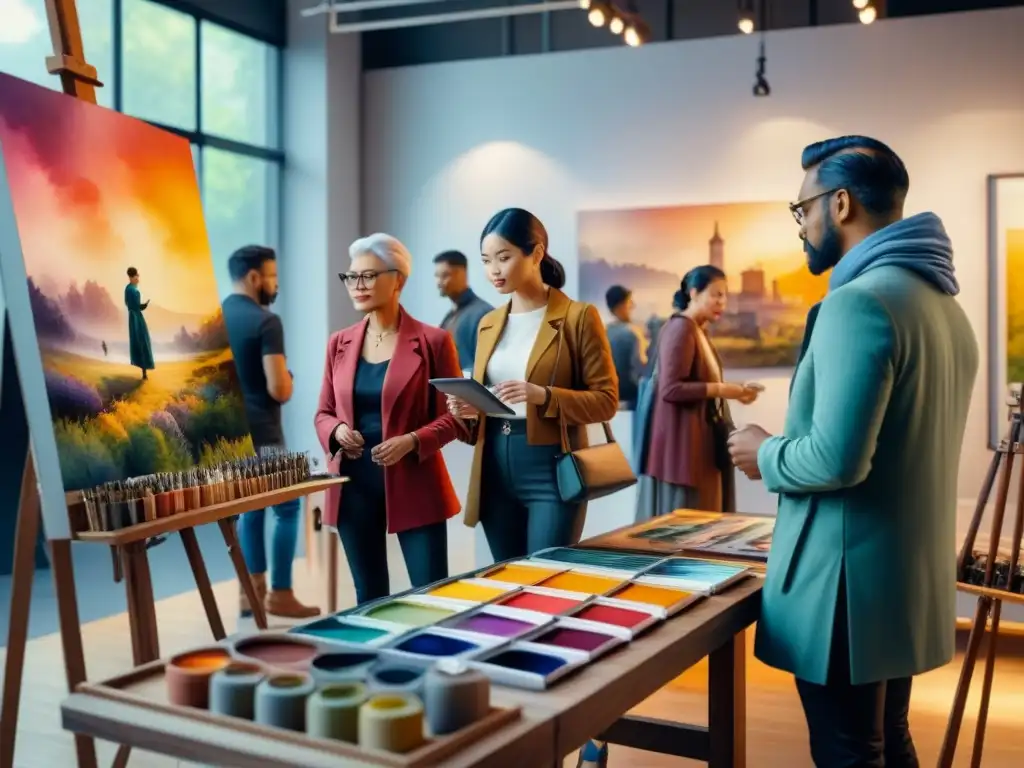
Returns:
<point x="447" y="145"/>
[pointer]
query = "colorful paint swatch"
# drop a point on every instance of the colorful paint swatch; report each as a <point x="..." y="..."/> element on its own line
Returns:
<point x="527" y="575"/>
<point x="467" y="590"/>
<point x="700" y="573"/>
<point x="535" y="601"/>
<point x="492" y="624"/>
<point x="433" y="644"/>
<point x="576" y="581"/>
<point x="528" y="661"/>
<point x="645" y="593"/>
<point x="408" y="613"/>
<point x="611" y="614"/>
<point x="601" y="558"/>
<point x="336" y="630"/>
<point x="576" y="639"/>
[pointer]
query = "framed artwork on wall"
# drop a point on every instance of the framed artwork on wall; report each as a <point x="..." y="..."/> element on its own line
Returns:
<point x="1006" y="295"/>
<point x="757" y="245"/>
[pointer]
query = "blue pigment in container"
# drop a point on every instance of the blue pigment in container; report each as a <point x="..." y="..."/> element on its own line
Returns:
<point x="430" y="644"/>
<point x="527" y="661"/>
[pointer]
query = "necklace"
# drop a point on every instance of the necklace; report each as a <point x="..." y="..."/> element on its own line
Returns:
<point x="379" y="337"/>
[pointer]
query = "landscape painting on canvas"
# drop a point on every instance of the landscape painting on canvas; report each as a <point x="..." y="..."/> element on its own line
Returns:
<point x="138" y="371"/>
<point x="1006" y="265"/>
<point x="757" y="246"/>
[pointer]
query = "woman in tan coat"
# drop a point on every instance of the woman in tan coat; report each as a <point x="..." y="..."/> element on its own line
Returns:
<point x="513" y="490"/>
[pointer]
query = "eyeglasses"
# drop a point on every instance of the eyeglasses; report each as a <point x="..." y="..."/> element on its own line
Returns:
<point x="797" y="208"/>
<point x="362" y="279"/>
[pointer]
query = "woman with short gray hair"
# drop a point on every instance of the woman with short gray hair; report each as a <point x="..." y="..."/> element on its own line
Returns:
<point x="383" y="425"/>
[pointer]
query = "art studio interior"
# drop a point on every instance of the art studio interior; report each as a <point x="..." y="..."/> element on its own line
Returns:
<point x="484" y="383"/>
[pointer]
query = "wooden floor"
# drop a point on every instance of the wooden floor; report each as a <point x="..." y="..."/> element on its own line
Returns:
<point x="777" y="735"/>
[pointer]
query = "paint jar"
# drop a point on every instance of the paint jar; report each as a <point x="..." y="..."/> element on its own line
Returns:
<point x="454" y="696"/>
<point x="281" y="701"/>
<point x="233" y="690"/>
<point x="333" y="711"/>
<point x="392" y="722"/>
<point x="188" y="675"/>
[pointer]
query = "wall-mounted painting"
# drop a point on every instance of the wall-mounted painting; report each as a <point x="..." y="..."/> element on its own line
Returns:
<point x="756" y="244"/>
<point x="138" y="371"/>
<point x="1006" y="295"/>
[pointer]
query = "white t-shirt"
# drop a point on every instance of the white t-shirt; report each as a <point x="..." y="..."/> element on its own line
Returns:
<point x="512" y="352"/>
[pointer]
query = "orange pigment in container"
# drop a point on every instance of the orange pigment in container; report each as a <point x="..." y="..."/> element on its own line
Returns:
<point x="461" y="590"/>
<point x="644" y="593"/>
<point x="203" y="661"/>
<point x="521" y="574"/>
<point x="571" y="581"/>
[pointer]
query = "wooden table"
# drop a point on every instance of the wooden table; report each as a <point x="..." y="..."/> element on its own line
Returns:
<point x="554" y="723"/>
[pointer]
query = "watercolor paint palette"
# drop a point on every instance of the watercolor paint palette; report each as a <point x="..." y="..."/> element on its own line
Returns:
<point x="587" y="581"/>
<point x="587" y="637"/>
<point x="698" y="575"/>
<point x="633" y="617"/>
<point x="472" y="590"/>
<point x="596" y="558"/>
<point x="553" y="602"/>
<point x="426" y="646"/>
<point x="663" y="594"/>
<point x="350" y="630"/>
<point x="523" y="572"/>
<point x="499" y="621"/>
<point x="528" y="665"/>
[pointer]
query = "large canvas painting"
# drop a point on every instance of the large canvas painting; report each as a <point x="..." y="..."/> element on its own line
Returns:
<point x="138" y="371"/>
<point x="756" y="244"/>
<point x="1006" y="292"/>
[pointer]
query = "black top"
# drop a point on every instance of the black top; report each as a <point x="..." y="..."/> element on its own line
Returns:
<point x="462" y="322"/>
<point x="253" y="333"/>
<point x="367" y="394"/>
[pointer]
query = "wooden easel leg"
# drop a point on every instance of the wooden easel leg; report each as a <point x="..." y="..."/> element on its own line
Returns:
<point x="21" y="601"/>
<point x="71" y="635"/>
<point x="141" y="605"/>
<point x="727" y="704"/>
<point x="963" y="686"/>
<point x="259" y="612"/>
<point x="195" y="559"/>
<point x="986" y="685"/>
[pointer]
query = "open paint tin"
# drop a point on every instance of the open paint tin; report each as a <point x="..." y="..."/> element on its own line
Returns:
<point x="587" y="637"/>
<point x="525" y="573"/>
<point x="431" y="644"/>
<point x="595" y="558"/>
<point x="698" y="575"/>
<point x="659" y="593"/>
<point x="474" y="591"/>
<point x="634" y="617"/>
<point x="553" y="602"/>
<point x="276" y="651"/>
<point x="527" y="665"/>
<point x="413" y="611"/>
<point x="350" y="630"/>
<point x="587" y="581"/>
<point x="499" y="621"/>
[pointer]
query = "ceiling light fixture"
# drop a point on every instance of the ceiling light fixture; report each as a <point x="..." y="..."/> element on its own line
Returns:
<point x="637" y="33"/>
<point x="761" y="87"/>
<point x="584" y="4"/>
<point x="746" y="19"/>
<point x="860" y="5"/>
<point x="616" y="25"/>
<point x="867" y="14"/>
<point x="599" y="13"/>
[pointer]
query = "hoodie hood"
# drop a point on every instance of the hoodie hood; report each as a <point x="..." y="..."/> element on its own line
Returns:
<point x="918" y="243"/>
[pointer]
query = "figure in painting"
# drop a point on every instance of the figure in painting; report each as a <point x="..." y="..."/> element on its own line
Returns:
<point x="138" y="332"/>
<point x="104" y="345"/>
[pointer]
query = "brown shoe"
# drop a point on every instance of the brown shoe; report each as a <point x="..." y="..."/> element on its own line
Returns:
<point x="259" y="583"/>
<point x="282" y="602"/>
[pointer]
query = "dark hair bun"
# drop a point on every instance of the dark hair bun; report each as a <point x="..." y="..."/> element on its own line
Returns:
<point x="552" y="272"/>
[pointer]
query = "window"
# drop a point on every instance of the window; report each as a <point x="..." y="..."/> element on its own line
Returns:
<point x="159" y="67"/>
<point x="239" y="85"/>
<point x="25" y="42"/>
<point x="240" y="200"/>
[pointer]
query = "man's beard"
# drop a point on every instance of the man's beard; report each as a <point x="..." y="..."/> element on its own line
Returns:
<point x="266" y="298"/>
<point x="822" y="258"/>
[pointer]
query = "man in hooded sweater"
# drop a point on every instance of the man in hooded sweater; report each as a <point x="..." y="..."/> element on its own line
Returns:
<point x="860" y="593"/>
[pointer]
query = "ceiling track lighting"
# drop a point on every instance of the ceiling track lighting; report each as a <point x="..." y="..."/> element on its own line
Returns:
<point x="761" y="87"/>
<point x="627" y="23"/>
<point x="746" y="16"/>
<point x="866" y="11"/>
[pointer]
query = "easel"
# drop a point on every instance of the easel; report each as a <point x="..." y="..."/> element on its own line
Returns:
<point x="80" y="80"/>
<point x="990" y="593"/>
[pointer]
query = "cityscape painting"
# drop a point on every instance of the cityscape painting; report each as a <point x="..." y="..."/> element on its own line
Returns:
<point x="757" y="246"/>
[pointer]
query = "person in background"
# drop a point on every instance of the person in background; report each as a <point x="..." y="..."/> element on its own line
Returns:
<point x="512" y="489"/>
<point x="383" y="425"/>
<point x="654" y="326"/>
<point x="139" y="346"/>
<point x="687" y="464"/>
<point x="627" y="342"/>
<point x="860" y="594"/>
<point x="452" y="275"/>
<point x="256" y="336"/>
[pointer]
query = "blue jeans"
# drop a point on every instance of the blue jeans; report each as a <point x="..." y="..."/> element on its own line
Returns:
<point x="284" y="534"/>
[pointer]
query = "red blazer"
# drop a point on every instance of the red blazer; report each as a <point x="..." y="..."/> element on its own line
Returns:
<point x="682" y="445"/>
<point x="418" y="489"/>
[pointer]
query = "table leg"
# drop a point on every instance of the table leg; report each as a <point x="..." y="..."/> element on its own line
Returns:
<point x="727" y="704"/>
<point x="195" y="560"/>
<point x="227" y="530"/>
<point x="332" y="570"/>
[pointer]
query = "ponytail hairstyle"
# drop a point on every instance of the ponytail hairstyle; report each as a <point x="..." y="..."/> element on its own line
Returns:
<point x="526" y="232"/>
<point x="697" y="279"/>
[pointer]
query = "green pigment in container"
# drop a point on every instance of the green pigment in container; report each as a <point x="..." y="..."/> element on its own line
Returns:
<point x="339" y="631"/>
<point x="409" y="614"/>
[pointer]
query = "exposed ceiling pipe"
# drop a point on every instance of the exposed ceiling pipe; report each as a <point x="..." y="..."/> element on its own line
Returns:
<point x="499" y="12"/>
<point x="362" y="5"/>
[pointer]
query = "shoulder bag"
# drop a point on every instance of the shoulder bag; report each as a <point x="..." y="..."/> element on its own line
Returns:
<point x="588" y="473"/>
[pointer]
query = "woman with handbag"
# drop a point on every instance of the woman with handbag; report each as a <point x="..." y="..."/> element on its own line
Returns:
<point x="548" y="358"/>
<point x="383" y="425"/>
<point x="687" y="462"/>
